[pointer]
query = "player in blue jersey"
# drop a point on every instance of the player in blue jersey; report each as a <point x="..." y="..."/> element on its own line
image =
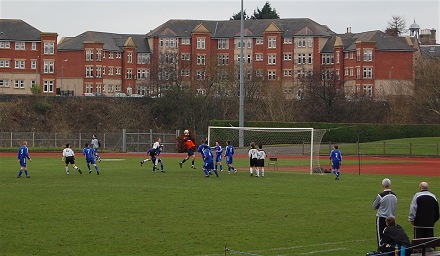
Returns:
<point x="208" y="159"/>
<point x="218" y="156"/>
<point x="229" y="152"/>
<point x="89" y="154"/>
<point x="200" y="149"/>
<point x="336" y="160"/>
<point x="23" y="155"/>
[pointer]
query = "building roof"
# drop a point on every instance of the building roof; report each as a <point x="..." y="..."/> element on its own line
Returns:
<point x="18" y="30"/>
<point x="112" y="42"/>
<point x="430" y="51"/>
<point x="383" y="42"/>
<point x="231" y="28"/>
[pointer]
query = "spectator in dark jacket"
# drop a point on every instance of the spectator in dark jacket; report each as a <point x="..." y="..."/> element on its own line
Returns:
<point x="394" y="234"/>
<point x="423" y="212"/>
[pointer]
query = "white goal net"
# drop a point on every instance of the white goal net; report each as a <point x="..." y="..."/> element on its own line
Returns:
<point x="290" y="149"/>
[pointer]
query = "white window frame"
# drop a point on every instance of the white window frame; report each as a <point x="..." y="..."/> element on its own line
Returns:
<point x="20" y="45"/>
<point x="49" y="67"/>
<point x="271" y="59"/>
<point x="201" y="43"/>
<point x="271" y="75"/>
<point x="271" y="42"/>
<point x="49" y="48"/>
<point x="48" y="85"/>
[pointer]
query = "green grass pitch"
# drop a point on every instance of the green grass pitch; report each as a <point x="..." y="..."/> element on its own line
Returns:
<point x="129" y="210"/>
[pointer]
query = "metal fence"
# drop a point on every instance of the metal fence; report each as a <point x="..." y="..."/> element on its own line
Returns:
<point x="117" y="142"/>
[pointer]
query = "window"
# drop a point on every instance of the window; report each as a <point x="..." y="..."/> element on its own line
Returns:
<point x="271" y="59"/>
<point x="98" y="55"/>
<point x="186" y="56"/>
<point x="184" y="72"/>
<point x="20" y="45"/>
<point x="110" y="71"/>
<point x="259" y="57"/>
<point x="4" y="63"/>
<point x="259" y="41"/>
<point x="48" y="85"/>
<point x="358" y="73"/>
<point x="259" y="73"/>
<point x="301" y="42"/>
<point x="110" y="55"/>
<point x="49" y="67"/>
<point x="327" y="58"/>
<point x="49" y="47"/>
<point x="301" y="58"/>
<point x="368" y="90"/>
<point x="310" y="42"/>
<point x="351" y="71"/>
<point x="141" y="74"/>
<point x="98" y="71"/>
<point x="34" y="46"/>
<point x="89" y="88"/>
<point x="118" y="70"/>
<point x="200" y="59"/>
<point x="186" y="41"/>
<point x="5" y="45"/>
<point x="249" y="44"/>
<point x="358" y="55"/>
<point x="4" y="83"/>
<point x="222" y="59"/>
<point x="19" y="84"/>
<point x="287" y="72"/>
<point x="20" y="64"/>
<point x="249" y="59"/>
<point x="129" y="74"/>
<point x="33" y="83"/>
<point x="200" y="75"/>
<point x="272" y="42"/>
<point x="310" y="60"/>
<point x="368" y="73"/>
<point x="143" y="58"/>
<point x="89" y="71"/>
<point x="89" y="55"/>
<point x="338" y="55"/>
<point x="201" y="43"/>
<point x="33" y="64"/>
<point x="368" y="55"/>
<point x="346" y="71"/>
<point x="130" y="57"/>
<point x="271" y="75"/>
<point x="351" y="55"/>
<point x="223" y="44"/>
<point x="118" y="55"/>
<point x="287" y="40"/>
<point x="287" y="56"/>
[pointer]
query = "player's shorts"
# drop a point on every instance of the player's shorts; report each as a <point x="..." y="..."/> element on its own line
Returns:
<point x="336" y="164"/>
<point x="218" y="158"/>
<point x="153" y="153"/>
<point x="95" y="150"/>
<point x="23" y="162"/>
<point x="70" y="160"/>
<point x="190" y="152"/>
<point x="208" y="165"/>
<point x="228" y="159"/>
<point x="260" y="162"/>
<point x="91" y="161"/>
<point x="253" y="162"/>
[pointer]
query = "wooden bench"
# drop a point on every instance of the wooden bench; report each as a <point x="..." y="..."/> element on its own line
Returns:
<point x="423" y="243"/>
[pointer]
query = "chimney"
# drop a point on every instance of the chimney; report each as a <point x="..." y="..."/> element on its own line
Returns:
<point x="433" y="36"/>
<point x="348" y="30"/>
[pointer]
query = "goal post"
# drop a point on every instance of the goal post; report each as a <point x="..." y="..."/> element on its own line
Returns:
<point x="296" y="149"/>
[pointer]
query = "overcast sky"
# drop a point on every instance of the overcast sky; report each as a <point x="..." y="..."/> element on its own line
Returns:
<point x="71" y="18"/>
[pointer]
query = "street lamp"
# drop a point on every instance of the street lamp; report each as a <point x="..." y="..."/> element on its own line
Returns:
<point x="62" y="74"/>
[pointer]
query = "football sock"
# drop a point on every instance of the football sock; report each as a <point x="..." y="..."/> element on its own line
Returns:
<point x="183" y="161"/>
<point x="67" y="169"/>
<point x="88" y="166"/>
<point x="216" y="173"/>
<point x="25" y="172"/>
<point x="337" y="174"/>
<point x="262" y="171"/>
<point x="251" y="170"/>
<point x="206" y="172"/>
<point x="221" y="167"/>
<point x="192" y="162"/>
<point x="258" y="172"/>
<point x="96" y="167"/>
<point x="20" y="172"/>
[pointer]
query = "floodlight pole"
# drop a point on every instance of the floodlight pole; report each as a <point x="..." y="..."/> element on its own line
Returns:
<point x="241" y="108"/>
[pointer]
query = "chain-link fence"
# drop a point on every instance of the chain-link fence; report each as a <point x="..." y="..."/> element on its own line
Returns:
<point x="116" y="142"/>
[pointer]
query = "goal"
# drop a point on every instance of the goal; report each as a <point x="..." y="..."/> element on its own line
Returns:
<point x="294" y="149"/>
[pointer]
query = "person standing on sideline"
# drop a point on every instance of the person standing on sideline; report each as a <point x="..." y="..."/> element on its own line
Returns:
<point x="95" y="145"/>
<point x="261" y="157"/>
<point x="336" y="161"/>
<point x="385" y="204"/>
<point x="90" y="157"/>
<point x="253" y="160"/>
<point x="423" y="212"/>
<point x="218" y="156"/>
<point x="190" y="146"/>
<point x="23" y="155"/>
<point x="69" y="158"/>
<point x="229" y="152"/>
<point x="208" y="159"/>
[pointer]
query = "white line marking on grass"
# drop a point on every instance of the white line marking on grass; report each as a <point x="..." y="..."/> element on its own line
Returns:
<point x="112" y="159"/>
<point x="321" y="251"/>
<point x="314" y="245"/>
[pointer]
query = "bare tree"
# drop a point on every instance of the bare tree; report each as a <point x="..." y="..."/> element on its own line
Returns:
<point x="396" y="26"/>
<point x="427" y="90"/>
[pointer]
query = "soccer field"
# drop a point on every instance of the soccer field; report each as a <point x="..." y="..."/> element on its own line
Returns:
<point x="129" y="210"/>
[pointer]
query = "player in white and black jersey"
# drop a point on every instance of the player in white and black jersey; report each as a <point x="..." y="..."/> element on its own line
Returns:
<point x="69" y="158"/>
<point x="253" y="160"/>
<point x="261" y="157"/>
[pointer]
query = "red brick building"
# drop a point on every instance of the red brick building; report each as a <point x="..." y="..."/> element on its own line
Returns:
<point x="27" y="58"/>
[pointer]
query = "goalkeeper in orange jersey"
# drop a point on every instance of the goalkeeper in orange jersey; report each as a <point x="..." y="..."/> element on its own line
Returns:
<point x="190" y="147"/>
